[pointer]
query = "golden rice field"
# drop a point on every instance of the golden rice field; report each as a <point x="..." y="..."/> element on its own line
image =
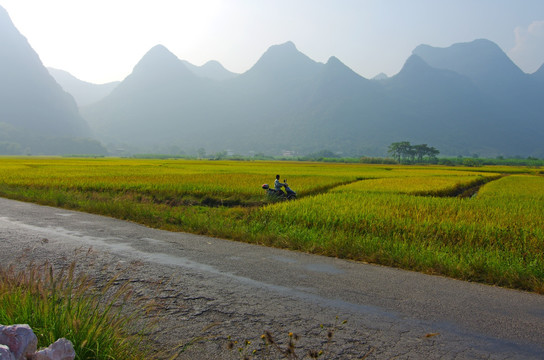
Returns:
<point x="428" y="218"/>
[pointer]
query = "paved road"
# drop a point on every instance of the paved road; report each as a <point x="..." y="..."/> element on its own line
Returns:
<point x="247" y="289"/>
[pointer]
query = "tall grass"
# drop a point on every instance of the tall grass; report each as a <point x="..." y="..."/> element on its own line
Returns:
<point x="66" y="304"/>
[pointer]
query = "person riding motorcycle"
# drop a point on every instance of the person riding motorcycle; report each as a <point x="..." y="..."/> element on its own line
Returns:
<point x="277" y="193"/>
<point x="278" y="185"/>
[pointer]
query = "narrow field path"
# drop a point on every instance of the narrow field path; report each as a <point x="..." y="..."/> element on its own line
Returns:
<point x="245" y="289"/>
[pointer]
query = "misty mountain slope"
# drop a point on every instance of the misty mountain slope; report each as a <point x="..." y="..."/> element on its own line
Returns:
<point x="539" y="74"/>
<point x="489" y="68"/>
<point x="288" y="101"/>
<point x="419" y="86"/>
<point x="336" y="80"/>
<point x="285" y="61"/>
<point x="36" y="115"/>
<point x="159" y="101"/>
<point x="418" y="104"/>
<point x="480" y="60"/>
<point x="267" y="103"/>
<point x="341" y="109"/>
<point x="211" y="70"/>
<point x="298" y="104"/>
<point x="436" y="104"/>
<point x="280" y="76"/>
<point x="380" y="76"/>
<point x="84" y="93"/>
<point x="510" y="97"/>
<point x="30" y="99"/>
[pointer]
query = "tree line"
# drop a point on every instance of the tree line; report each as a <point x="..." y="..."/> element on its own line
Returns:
<point x="405" y="152"/>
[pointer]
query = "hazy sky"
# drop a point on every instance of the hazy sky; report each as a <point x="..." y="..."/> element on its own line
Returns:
<point x="101" y="40"/>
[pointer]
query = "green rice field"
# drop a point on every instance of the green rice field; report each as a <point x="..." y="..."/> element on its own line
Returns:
<point x="480" y="224"/>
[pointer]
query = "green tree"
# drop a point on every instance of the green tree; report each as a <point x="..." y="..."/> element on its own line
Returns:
<point x="423" y="150"/>
<point x="420" y="151"/>
<point x="403" y="151"/>
<point x="432" y="153"/>
<point x="400" y="150"/>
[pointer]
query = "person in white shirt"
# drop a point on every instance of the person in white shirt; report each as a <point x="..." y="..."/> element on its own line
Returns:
<point x="278" y="185"/>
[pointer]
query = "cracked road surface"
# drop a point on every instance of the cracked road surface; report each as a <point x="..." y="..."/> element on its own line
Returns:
<point x="246" y="289"/>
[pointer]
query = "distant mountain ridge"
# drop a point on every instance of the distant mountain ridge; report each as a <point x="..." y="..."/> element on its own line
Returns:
<point x="140" y="109"/>
<point x="36" y="115"/>
<point x="84" y="93"/>
<point x="451" y="98"/>
<point x="380" y="76"/>
<point x="539" y="74"/>
<point x="211" y="70"/>
<point x="284" y="61"/>
<point x="469" y="98"/>
<point x="25" y="80"/>
<point x="480" y="60"/>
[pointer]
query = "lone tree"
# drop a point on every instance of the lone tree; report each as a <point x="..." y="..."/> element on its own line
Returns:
<point x="403" y="151"/>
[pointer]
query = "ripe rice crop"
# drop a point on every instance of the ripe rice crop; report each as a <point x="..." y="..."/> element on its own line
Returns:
<point x="181" y="180"/>
<point x="490" y="238"/>
<point x="418" y="185"/>
<point x="403" y="216"/>
<point x="517" y="187"/>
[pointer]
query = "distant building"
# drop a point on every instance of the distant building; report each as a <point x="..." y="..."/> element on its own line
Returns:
<point x="288" y="153"/>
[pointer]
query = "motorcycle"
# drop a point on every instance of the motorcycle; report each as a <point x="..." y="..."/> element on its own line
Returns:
<point x="289" y="193"/>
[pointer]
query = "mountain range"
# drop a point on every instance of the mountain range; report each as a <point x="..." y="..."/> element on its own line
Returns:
<point x="469" y="98"/>
<point x="466" y="99"/>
